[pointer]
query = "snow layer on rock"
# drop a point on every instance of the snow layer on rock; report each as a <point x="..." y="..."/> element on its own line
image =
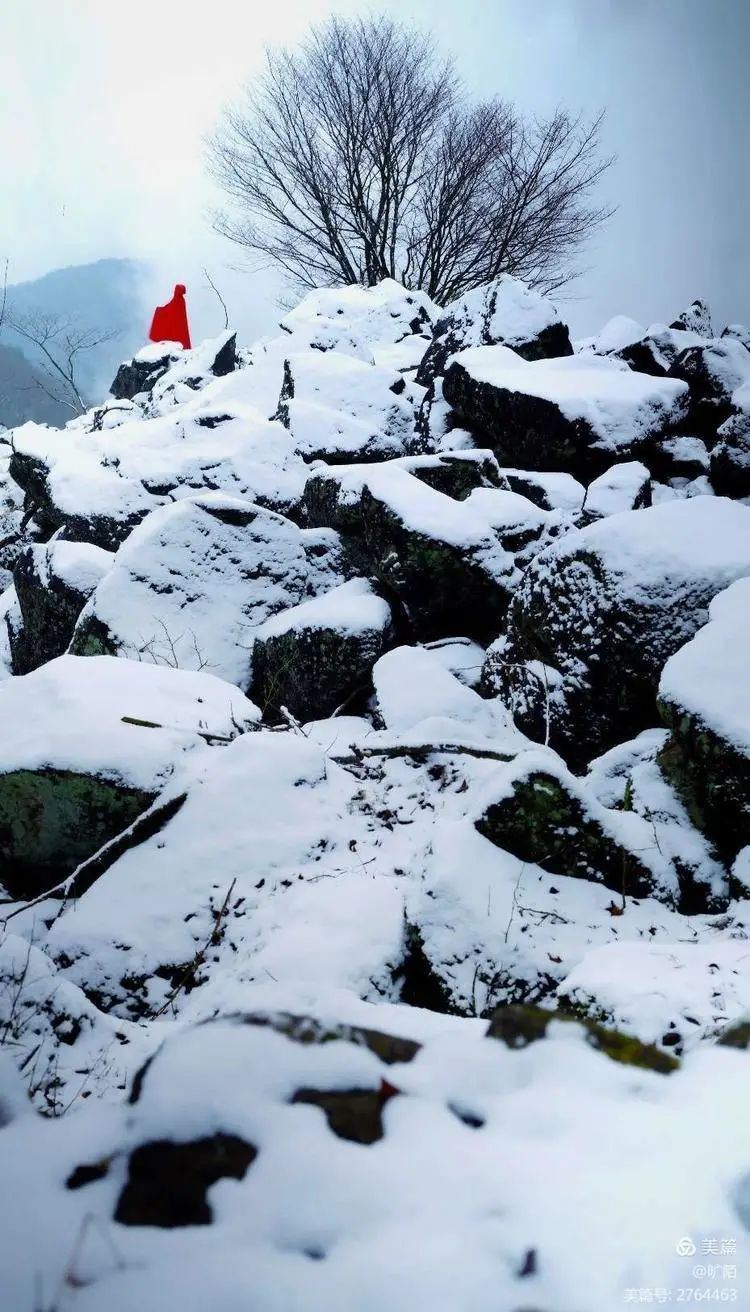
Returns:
<point x="87" y="714"/>
<point x="693" y="989"/>
<point x="386" y="313"/>
<point x="80" y="565"/>
<point x="710" y="676"/>
<point x="353" y="607"/>
<point x="342" y="405"/>
<point x="505" y="310"/>
<point x="194" y="580"/>
<point x="412" y="685"/>
<point x="618" y="404"/>
<point x="619" y="488"/>
<point x="666" y="547"/>
<point x="618" y="332"/>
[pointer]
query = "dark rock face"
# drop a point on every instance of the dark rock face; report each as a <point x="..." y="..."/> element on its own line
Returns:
<point x="711" y="777"/>
<point x="457" y="473"/>
<point x="713" y="372"/>
<point x="50" y="605"/>
<point x="544" y="823"/>
<point x="353" y="1114"/>
<point x="136" y="376"/>
<point x="312" y="670"/>
<point x="532" y="432"/>
<point x="51" y="820"/>
<point x="517" y="1026"/>
<point x="168" y="1182"/>
<point x="730" y="458"/>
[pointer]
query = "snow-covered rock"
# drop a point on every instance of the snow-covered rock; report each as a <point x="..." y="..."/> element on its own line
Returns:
<point x="87" y="745"/>
<point x="440" y="558"/>
<point x="504" y="312"/>
<point x="604" y="607"/>
<point x="714" y="371"/>
<point x="341" y="409"/>
<point x="704" y="697"/>
<point x="623" y="487"/>
<point x="191" y="585"/>
<point x="314" y="656"/>
<point x="730" y="458"/>
<point x="578" y="413"/>
<point x="53" y="582"/>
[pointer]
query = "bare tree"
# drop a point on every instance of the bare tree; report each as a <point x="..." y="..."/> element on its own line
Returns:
<point x="357" y="157"/>
<point x="59" y="342"/>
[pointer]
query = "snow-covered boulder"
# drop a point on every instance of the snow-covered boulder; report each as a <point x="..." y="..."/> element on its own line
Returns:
<point x="380" y="316"/>
<point x="536" y="809"/>
<point x="192" y="583"/>
<point x="704" y="698"/>
<point x="578" y="413"/>
<point x="549" y="491"/>
<point x="601" y="610"/>
<point x="713" y="371"/>
<point x="339" y="409"/>
<point x="314" y="656"/>
<point x="501" y="313"/>
<point x="656" y="349"/>
<point x="623" y="487"/>
<point x="87" y="745"/>
<point x="730" y="457"/>
<point x="53" y="582"/>
<point x="440" y="559"/>
<point x="681" y="456"/>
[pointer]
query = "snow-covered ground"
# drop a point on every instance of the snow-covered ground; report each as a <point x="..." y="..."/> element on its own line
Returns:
<point x="375" y="823"/>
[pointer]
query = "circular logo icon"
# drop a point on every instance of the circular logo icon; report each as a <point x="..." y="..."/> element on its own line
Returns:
<point x="685" y="1246"/>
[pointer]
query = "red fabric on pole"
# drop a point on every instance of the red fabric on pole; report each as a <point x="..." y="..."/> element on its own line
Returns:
<point x="170" y="322"/>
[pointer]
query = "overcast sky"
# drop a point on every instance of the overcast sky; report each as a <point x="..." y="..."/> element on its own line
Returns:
<point x="104" y="107"/>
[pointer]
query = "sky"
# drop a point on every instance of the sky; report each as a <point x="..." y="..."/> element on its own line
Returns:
<point x="105" y="107"/>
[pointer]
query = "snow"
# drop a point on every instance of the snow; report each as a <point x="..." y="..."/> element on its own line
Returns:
<point x="352" y="607"/>
<point x="73" y="713"/>
<point x="505" y="310"/>
<point x="618" y="332"/>
<point x="646" y="989"/>
<point x="617" y="489"/>
<point x="412" y="685"/>
<point x="80" y="565"/>
<point x="618" y="404"/>
<point x="345" y="406"/>
<point x="381" y="314"/>
<point x="667" y="546"/>
<point x="708" y="677"/>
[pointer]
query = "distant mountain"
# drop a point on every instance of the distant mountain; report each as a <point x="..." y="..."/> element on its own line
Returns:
<point x="23" y="393"/>
<point x="103" y="296"/>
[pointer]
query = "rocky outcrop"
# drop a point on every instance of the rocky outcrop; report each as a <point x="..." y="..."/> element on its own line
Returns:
<point x="578" y="414"/>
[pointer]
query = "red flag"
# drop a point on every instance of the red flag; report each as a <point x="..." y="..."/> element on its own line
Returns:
<point x="170" y="322"/>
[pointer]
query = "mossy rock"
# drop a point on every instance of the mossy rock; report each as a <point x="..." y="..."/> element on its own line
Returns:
<point x="441" y="587"/>
<point x="51" y="820"/>
<point x="518" y="1026"/>
<point x="736" y="1035"/>
<point x="544" y="824"/>
<point x="711" y="777"/>
<point x="312" y="671"/>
